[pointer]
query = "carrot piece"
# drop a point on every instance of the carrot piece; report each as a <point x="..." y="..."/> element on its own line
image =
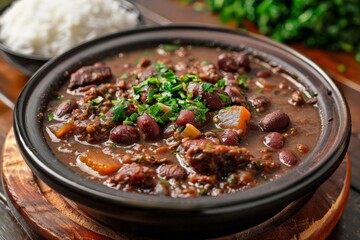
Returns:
<point x="235" y="117"/>
<point x="190" y="131"/>
<point x="100" y="162"/>
<point x="61" y="130"/>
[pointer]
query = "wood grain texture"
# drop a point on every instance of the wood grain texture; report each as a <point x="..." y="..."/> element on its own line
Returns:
<point x="46" y="214"/>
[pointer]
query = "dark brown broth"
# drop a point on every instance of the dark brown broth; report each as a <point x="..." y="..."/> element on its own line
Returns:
<point x="305" y="121"/>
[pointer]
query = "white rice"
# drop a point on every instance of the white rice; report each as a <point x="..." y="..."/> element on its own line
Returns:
<point x="50" y="27"/>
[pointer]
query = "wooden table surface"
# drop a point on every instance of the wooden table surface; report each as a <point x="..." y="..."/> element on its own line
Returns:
<point x="167" y="11"/>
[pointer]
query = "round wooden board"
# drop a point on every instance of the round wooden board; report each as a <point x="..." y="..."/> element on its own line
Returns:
<point x="46" y="214"/>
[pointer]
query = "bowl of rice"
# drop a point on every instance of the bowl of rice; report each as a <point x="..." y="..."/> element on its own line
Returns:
<point x="33" y="31"/>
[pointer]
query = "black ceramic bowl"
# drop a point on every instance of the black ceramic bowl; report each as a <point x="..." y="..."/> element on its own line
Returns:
<point x="199" y="217"/>
<point x="29" y="64"/>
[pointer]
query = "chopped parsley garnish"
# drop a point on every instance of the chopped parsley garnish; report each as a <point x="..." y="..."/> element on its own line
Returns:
<point x="207" y="87"/>
<point x="57" y="98"/>
<point x="220" y="84"/>
<point x="124" y="76"/>
<point x="259" y="91"/>
<point x="223" y="97"/>
<point x="170" y="47"/>
<point x="96" y="101"/>
<point x="203" y="192"/>
<point x="51" y="116"/>
<point x="242" y="81"/>
<point x="119" y="112"/>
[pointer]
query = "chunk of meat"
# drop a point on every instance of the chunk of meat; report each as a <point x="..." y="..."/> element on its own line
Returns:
<point x="135" y="175"/>
<point x="89" y="75"/>
<point x="220" y="159"/>
<point x="233" y="89"/>
<point x="261" y="103"/>
<point x="65" y="107"/>
<point x="100" y="162"/>
<point x="197" y="142"/>
<point x="206" y="71"/>
<point x="172" y="171"/>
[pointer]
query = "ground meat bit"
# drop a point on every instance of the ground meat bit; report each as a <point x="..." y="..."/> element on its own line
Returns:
<point x="65" y="107"/>
<point x="186" y="145"/>
<point x="207" y="72"/>
<point x="134" y="175"/>
<point x="296" y="98"/>
<point x="147" y="159"/>
<point x="203" y="179"/>
<point x="220" y="159"/>
<point x="89" y="75"/>
<point x="91" y="131"/>
<point x="172" y="171"/>
<point x="232" y="88"/>
<point x="260" y="103"/>
<point x="268" y="166"/>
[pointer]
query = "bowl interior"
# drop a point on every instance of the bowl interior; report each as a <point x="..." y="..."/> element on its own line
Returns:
<point x="307" y="176"/>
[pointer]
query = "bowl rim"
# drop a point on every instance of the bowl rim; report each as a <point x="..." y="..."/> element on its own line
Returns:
<point x="7" y="50"/>
<point x="241" y="200"/>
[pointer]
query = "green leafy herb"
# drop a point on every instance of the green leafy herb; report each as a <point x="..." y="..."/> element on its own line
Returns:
<point x="259" y="91"/>
<point x="57" y="98"/>
<point x="331" y="24"/>
<point x="119" y="112"/>
<point x="124" y="76"/>
<point x="341" y="68"/>
<point x="170" y="47"/>
<point x="231" y="179"/>
<point x="96" y="101"/>
<point x="224" y="97"/>
<point x="203" y="192"/>
<point x="242" y="81"/>
<point x="51" y="116"/>
<point x="220" y="83"/>
<point x="207" y="87"/>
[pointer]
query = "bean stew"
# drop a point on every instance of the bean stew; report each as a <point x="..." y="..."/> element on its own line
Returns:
<point x="182" y="121"/>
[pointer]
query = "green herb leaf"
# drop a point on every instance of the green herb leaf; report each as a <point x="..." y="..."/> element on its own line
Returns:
<point x="220" y="83"/>
<point x="96" y="101"/>
<point x="51" y="116"/>
<point x="170" y="47"/>
<point x="207" y="87"/>
<point x="119" y="112"/>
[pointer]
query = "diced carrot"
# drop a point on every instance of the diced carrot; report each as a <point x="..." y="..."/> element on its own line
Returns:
<point x="61" y="130"/>
<point x="190" y="131"/>
<point x="100" y="162"/>
<point x="235" y="117"/>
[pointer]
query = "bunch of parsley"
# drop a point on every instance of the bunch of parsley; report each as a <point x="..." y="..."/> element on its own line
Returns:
<point x="330" y="24"/>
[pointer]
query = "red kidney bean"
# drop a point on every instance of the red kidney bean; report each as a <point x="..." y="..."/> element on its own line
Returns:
<point x="274" y="140"/>
<point x="243" y="62"/>
<point x="288" y="158"/>
<point x="65" y="107"/>
<point x="149" y="127"/>
<point x="275" y="121"/>
<point x="263" y="74"/>
<point x="227" y="63"/>
<point x="254" y="125"/>
<point x="230" y="138"/>
<point x="124" y="134"/>
<point x="185" y="116"/>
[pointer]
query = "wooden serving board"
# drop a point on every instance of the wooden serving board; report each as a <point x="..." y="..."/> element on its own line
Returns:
<point x="46" y="214"/>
